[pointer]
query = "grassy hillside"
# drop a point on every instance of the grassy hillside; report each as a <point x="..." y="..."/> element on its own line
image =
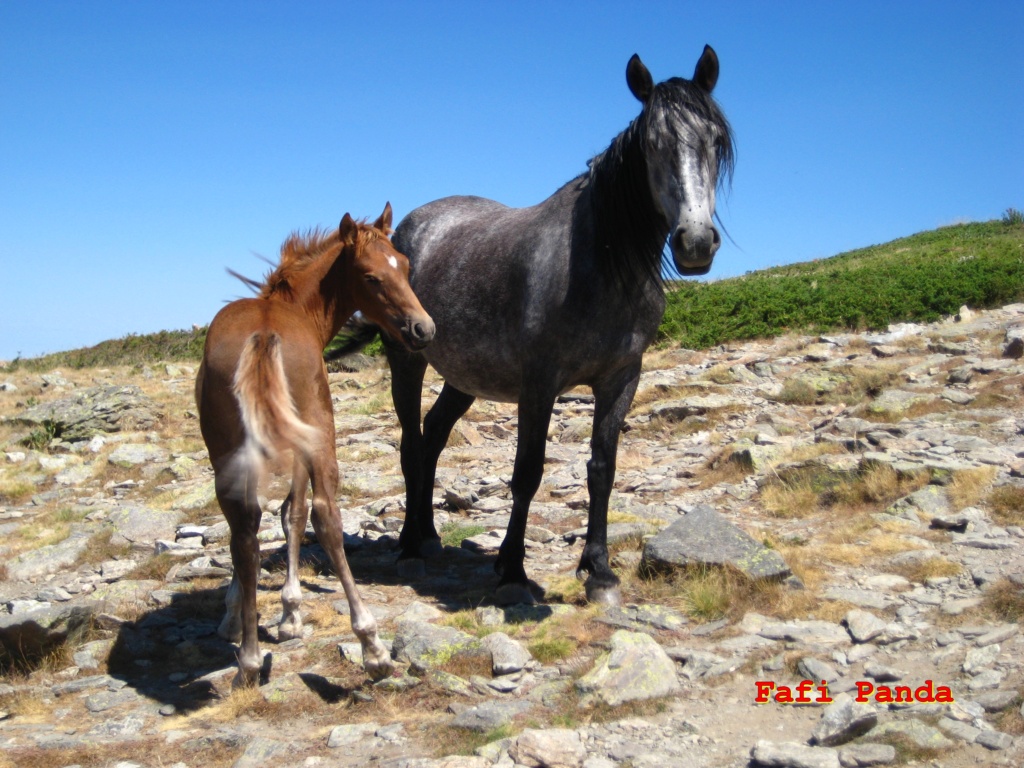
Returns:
<point x="135" y="349"/>
<point x="920" y="278"/>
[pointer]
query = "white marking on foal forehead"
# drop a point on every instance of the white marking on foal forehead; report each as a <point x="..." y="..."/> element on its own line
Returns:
<point x="393" y="262"/>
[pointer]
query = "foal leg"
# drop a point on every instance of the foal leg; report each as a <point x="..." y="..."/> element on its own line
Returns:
<point x="243" y="516"/>
<point x="534" y="417"/>
<point x="293" y="521"/>
<point x="327" y="524"/>
<point x="612" y="399"/>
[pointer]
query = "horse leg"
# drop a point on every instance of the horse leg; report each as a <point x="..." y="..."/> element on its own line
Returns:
<point x="293" y="521"/>
<point x="407" y="372"/>
<point x="534" y="417"/>
<point x="327" y="524"/>
<point x="450" y="406"/>
<point x="243" y="516"/>
<point x="611" y="402"/>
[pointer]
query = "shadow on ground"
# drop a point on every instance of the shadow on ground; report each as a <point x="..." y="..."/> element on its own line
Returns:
<point x="173" y="655"/>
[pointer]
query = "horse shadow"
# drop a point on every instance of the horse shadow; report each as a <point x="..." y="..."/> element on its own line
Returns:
<point x="173" y="655"/>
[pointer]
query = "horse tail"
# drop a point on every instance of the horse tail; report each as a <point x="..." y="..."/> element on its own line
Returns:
<point x="354" y="335"/>
<point x="269" y="416"/>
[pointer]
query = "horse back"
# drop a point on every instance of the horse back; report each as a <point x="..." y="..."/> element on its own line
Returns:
<point x="515" y="291"/>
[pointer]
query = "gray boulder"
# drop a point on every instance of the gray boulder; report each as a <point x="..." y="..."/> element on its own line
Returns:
<point x="637" y="668"/>
<point x="141" y="527"/>
<point x="425" y="645"/>
<point x="94" y="411"/>
<point x="704" y="537"/>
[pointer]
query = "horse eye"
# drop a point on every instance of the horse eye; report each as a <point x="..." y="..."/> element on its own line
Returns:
<point x="373" y="280"/>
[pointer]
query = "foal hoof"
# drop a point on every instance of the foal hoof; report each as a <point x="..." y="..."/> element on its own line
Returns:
<point x="377" y="663"/>
<point x="514" y="594"/>
<point x="603" y="594"/>
<point x="411" y="569"/>
<point x="289" y="630"/>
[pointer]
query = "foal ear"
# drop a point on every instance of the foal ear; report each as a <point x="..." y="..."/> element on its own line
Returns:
<point x="383" y="222"/>
<point x="706" y="73"/>
<point x="346" y="227"/>
<point x="639" y="80"/>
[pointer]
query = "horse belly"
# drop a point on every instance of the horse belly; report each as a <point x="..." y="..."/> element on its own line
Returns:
<point x="473" y="364"/>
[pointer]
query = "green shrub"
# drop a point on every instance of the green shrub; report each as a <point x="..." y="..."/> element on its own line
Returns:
<point x="921" y="278"/>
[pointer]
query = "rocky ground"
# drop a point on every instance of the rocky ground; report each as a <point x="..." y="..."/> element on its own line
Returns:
<point x="844" y="510"/>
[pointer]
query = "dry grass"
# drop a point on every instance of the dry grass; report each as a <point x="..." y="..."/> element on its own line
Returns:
<point x="793" y="499"/>
<point x="1007" y="504"/>
<point x="813" y="488"/>
<point x="797" y="392"/>
<point x="968" y="486"/>
<point x="932" y="568"/>
<point x="707" y="594"/>
<point x="151" y="751"/>
<point x="101" y="548"/>
<point x="721" y="469"/>
<point x="1005" y="600"/>
<point x="15" y="491"/>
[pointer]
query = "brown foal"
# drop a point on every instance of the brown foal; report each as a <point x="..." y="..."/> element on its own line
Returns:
<point x="262" y="387"/>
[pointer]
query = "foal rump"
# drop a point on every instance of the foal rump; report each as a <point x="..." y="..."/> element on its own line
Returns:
<point x="270" y="419"/>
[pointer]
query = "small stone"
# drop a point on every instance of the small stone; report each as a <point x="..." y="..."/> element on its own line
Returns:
<point x="549" y="748"/>
<point x="865" y="755"/>
<point x="792" y="755"/>
<point x="863" y="626"/>
<point x="843" y="720"/>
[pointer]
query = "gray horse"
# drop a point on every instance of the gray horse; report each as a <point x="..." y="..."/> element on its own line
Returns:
<point x="531" y="302"/>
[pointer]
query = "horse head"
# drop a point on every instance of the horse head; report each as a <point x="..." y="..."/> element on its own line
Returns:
<point x="381" y="285"/>
<point x="688" y="146"/>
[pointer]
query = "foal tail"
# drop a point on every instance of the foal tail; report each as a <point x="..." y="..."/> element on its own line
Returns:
<point x="269" y="417"/>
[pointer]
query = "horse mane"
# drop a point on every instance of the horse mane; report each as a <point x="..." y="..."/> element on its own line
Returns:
<point x="629" y="231"/>
<point x="301" y="251"/>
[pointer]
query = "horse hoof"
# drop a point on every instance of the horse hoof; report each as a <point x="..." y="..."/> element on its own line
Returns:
<point x="600" y="594"/>
<point x="411" y="569"/>
<point x="245" y="679"/>
<point x="431" y="548"/>
<point x="514" y="594"/>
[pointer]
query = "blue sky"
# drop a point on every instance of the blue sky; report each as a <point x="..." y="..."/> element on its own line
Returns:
<point x="147" y="146"/>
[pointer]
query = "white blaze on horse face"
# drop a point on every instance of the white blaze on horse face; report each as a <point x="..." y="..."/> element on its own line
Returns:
<point x="393" y="262"/>
<point x="682" y="176"/>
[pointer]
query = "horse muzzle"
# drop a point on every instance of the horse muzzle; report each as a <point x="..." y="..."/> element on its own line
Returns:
<point x="418" y="332"/>
<point x="694" y="248"/>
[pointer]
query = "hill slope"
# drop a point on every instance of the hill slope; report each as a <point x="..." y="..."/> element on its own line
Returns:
<point x="918" y="278"/>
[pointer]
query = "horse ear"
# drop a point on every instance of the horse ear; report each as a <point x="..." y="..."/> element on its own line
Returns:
<point x="346" y="227"/>
<point x="383" y="222"/>
<point x="706" y="73"/>
<point x="639" y="80"/>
